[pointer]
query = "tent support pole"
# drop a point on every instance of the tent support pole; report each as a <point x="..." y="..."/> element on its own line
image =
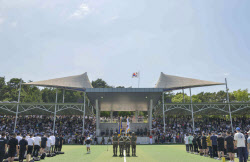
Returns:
<point x="183" y="96"/>
<point x="83" y="118"/>
<point x="19" y="95"/>
<point x="150" y="116"/>
<point x="229" y="106"/>
<point x="63" y="94"/>
<point x="163" y="112"/>
<point x="54" y="125"/>
<point x="97" y="118"/>
<point x="192" y="110"/>
<point x="111" y="116"/>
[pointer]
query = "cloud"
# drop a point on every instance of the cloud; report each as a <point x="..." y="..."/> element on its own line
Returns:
<point x="82" y="11"/>
<point x="114" y="18"/>
<point x="1" y="20"/>
<point x="226" y="74"/>
<point x="13" y="24"/>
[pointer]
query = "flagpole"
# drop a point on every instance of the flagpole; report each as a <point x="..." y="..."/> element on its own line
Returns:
<point x="139" y="75"/>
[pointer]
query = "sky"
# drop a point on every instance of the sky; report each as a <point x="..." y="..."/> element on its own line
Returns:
<point x="111" y="39"/>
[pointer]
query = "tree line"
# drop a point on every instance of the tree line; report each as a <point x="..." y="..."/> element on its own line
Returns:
<point x="9" y="92"/>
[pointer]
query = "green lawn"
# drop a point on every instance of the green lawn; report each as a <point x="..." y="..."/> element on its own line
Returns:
<point x="145" y="153"/>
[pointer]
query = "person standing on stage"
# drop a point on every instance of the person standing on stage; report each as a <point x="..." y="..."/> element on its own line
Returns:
<point x="3" y="146"/>
<point x="23" y="147"/>
<point x="12" y="147"/>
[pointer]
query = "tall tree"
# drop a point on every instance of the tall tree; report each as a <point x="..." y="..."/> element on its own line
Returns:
<point x="241" y="95"/>
<point x="99" y="83"/>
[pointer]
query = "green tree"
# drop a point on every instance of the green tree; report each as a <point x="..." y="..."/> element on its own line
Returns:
<point x="120" y="87"/>
<point x="178" y="98"/>
<point x="241" y="95"/>
<point x="99" y="83"/>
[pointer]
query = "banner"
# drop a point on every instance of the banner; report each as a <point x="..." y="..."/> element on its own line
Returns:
<point x="120" y="127"/>
<point x="128" y="126"/>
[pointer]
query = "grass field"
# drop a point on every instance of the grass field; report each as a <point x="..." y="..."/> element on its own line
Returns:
<point x="145" y="153"/>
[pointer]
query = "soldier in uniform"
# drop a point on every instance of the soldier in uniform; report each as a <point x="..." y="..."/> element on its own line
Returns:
<point x="128" y="141"/>
<point x="133" y="142"/>
<point x="109" y="141"/>
<point x="121" y="145"/>
<point x="115" y="144"/>
<point x="107" y="132"/>
<point x="103" y="141"/>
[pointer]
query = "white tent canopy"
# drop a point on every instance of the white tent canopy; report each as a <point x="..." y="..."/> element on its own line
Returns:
<point x="174" y="82"/>
<point x="76" y="82"/>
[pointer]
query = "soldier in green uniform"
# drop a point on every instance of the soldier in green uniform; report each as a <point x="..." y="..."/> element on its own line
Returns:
<point x="133" y="142"/>
<point x="115" y="144"/>
<point x="121" y="145"/>
<point x="109" y="141"/>
<point x="128" y="141"/>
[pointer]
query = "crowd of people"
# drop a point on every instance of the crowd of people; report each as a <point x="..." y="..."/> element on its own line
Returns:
<point x="25" y="146"/>
<point x="69" y="126"/>
<point x="177" y="127"/>
<point x="219" y="145"/>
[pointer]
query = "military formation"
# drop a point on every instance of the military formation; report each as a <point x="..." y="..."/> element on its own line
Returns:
<point x="124" y="143"/>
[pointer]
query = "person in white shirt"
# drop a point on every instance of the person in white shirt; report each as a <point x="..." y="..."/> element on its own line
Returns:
<point x="53" y="138"/>
<point x="18" y="137"/>
<point x="31" y="144"/>
<point x="240" y="144"/>
<point x="37" y="145"/>
<point x="49" y="143"/>
<point x="186" y="142"/>
<point x="27" y="136"/>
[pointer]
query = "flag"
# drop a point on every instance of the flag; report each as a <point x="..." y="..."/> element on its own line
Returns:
<point x="135" y="75"/>
<point x="128" y="127"/>
<point x="120" y="127"/>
